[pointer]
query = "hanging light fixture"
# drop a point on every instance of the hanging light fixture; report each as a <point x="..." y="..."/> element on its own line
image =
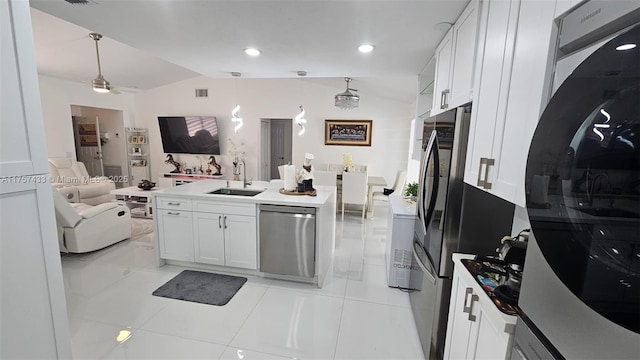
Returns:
<point x="99" y="84"/>
<point x="301" y="121"/>
<point x="235" y="113"/>
<point x="347" y="100"/>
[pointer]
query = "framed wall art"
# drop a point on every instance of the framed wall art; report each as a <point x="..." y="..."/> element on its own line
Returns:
<point x="348" y="132"/>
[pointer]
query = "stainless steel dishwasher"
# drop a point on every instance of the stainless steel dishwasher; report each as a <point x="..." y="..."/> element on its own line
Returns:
<point x="288" y="240"/>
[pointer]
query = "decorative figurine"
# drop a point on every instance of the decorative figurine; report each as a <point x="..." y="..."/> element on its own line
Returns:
<point x="170" y="160"/>
<point x="212" y="162"/>
<point x="306" y="173"/>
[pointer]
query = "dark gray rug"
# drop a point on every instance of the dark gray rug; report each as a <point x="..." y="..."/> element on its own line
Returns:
<point x="201" y="287"/>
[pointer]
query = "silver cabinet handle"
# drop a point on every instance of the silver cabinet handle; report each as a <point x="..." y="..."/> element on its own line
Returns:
<point x="465" y="308"/>
<point x="443" y="99"/>
<point x="446" y="98"/>
<point x="474" y="297"/>
<point x="173" y="203"/>
<point x="219" y="224"/>
<point x="225" y="221"/>
<point x="487" y="184"/>
<point x="172" y="213"/>
<point x="481" y="182"/>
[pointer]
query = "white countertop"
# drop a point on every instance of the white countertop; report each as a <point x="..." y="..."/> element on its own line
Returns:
<point x="401" y="206"/>
<point x="199" y="190"/>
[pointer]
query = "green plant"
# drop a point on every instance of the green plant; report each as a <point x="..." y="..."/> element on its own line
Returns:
<point x="411" y="189"/>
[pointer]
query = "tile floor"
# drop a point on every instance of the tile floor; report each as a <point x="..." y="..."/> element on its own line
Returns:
<point x="112" y="314"/>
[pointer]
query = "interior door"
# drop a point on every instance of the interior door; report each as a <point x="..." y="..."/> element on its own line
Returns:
<point x="88" y="148"/>
<point x="265" y="153"/>
<point x="280" y="145"/>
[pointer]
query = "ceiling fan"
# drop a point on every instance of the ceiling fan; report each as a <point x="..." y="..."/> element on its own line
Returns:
<point x="99" y="84"/>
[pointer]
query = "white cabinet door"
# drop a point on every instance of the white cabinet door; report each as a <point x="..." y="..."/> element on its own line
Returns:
<point x="491" y="88"/>
<point x="175" y="234"/>
<point x="241" y="241"/>
<point x="528" y="94"/>
<point x="458" y="325"/>
<point x="441" y="88"/>
<point x="465" y="42"/>
<point x="208" y="238"/>
<point x="488" y="342"/>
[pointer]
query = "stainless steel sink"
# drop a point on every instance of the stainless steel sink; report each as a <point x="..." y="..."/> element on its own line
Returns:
<point x="608" y="212"/>
<point x="236" y="192"/>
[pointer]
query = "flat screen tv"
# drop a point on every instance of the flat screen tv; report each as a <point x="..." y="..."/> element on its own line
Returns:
<point x="189" y="134"/>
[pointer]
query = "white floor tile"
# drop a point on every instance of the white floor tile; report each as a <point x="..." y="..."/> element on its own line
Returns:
<point x="240" y="354"/>
<point x="293" y="324"/>
<point x="372" y="287"/>
<point x="91" y="339"/>
<point x="217" y="324"/>
<point x="110" y="290"/>
<point x="375" y="331"/>
<point x="148" y="345"/>
<point x="129" y="302"/>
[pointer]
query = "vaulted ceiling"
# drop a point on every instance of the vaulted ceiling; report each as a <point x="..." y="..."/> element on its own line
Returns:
<point x="152" y="43"/>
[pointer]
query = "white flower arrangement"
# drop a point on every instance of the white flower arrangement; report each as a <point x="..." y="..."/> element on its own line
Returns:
<point x="347" y="160"/>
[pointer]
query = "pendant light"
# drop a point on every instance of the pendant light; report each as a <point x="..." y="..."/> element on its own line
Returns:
<point x="99" y="84"/>
<point x="347" y="100"/>
<point x="235" y="113"/>
<point x="301" y="121"/>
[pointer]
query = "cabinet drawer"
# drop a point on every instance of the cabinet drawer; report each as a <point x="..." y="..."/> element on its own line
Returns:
<point x="173" y="203"/>
<point x="222" y="207"/>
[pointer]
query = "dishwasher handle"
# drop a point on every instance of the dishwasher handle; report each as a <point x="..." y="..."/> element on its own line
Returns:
<point x="288" y="209"/>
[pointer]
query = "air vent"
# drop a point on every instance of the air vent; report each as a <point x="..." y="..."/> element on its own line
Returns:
<point x="77" y="2"/>
<point x="202" y="93"/>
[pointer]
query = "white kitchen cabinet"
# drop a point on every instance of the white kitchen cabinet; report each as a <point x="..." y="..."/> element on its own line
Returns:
<point x="455" y="59"/>
<point x="476" y="329"/>
<point x="441" y="88"/>
<point x="33" y="311"/>
<point x="175" y="234"/>
<point x="509" y="94"/>
<point x="209" y="234"/>
<point x="235" y="242"/>
<point x="241" y="241"/>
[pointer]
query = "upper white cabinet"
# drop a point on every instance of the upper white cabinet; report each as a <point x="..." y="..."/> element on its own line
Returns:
<point x="424" y="101"/>
<point x="509" y="93"/>
<point x="455" y="58"/>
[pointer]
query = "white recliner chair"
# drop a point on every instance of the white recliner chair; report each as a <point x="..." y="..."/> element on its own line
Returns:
<point x="83" y="228"/>
<point x="71" y="178"/>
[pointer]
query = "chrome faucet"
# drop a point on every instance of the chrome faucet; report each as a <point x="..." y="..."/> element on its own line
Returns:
<point x="244" y="175"/>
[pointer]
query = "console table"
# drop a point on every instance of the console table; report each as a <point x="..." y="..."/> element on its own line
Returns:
<point x="136" y="199"/>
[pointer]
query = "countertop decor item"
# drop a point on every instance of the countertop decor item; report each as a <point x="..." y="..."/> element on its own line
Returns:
<point x="348" y="132"/>
<point x="306" y="192"/>
<point x="146" y="184"/>
<point x="174" y="163"/>
<point x="411" y="190"/>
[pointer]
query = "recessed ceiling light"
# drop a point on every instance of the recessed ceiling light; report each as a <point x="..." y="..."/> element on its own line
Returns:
<point x="365" y="48"/>
<point x="626" y="47"/>
<point x="252" y="51"/>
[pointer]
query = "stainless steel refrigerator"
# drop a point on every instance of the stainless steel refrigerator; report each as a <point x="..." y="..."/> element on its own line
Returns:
<point x="451" y="217"/>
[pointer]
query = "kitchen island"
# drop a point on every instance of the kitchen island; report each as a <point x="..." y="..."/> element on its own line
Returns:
<point x="197" y="228"/>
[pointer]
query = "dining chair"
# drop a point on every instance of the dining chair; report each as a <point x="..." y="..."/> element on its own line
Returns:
<point x="328" y="178"/>
<point x="338" y="168"/>
<point x="354" y="190"/>
<point x="398" y="186"/>
<point x="359" y="168"/>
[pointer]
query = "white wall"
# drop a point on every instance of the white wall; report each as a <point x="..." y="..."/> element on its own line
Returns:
<point x="58" y="95"/>
<point x="278" y="98"/>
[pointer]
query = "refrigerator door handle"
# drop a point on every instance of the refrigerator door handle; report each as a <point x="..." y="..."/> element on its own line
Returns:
<point x="422" y="266"/>
<point x="430" y="151"/>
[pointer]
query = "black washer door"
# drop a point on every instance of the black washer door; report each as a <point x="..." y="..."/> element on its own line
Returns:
<point x="583" y="181"/>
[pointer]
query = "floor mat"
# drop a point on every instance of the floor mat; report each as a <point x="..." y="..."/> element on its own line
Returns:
<point x="201" y="287"/>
